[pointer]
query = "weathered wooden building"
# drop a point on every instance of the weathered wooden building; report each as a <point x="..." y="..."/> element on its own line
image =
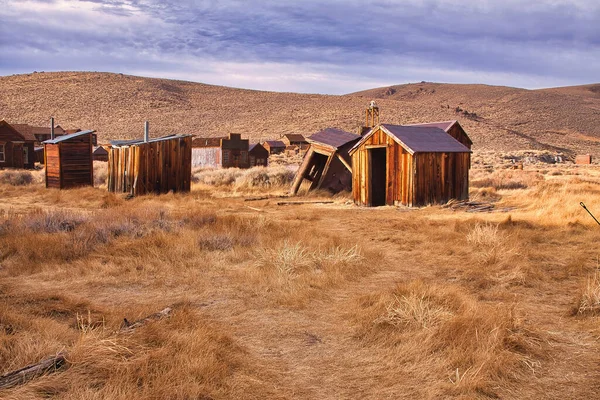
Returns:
<point x="409" y="165"/>
<point x="16" y="148"/>
<point x="258" y="155"/>
<point x="327" y="163"/>
<point x="69" y="161"/>
<point x="100" y="154"/>
<point x="294" y="139"/>
<point x="146" y="166"/>
<point x="274" y="146"/>
<point x="226" y="152"/>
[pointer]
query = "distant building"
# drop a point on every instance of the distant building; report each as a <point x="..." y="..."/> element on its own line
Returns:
<point x="274" y="146"/>
<point x="100" y="154"/>
<point x="259" y="156"/>
<point x="293" y="139"/>
<point x="225" y="152"/>
<point x="16" y="148"/>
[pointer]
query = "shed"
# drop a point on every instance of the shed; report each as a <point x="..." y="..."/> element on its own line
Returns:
<point x="409" y="165"/>
<point x="100" y="154"/>
<point x="156" y="166"/>
<point x="68" y="160"/>
<point x="327" y="163"/>
<point x="274" y="146"/>
<point x="258" y="155"/>
<point x="16" y="148"/>
<point x="226" y="152"/>
<point x="294" y="139"/>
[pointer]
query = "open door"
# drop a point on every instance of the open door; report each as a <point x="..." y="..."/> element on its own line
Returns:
<point x="18" y="155"/>
<point x="378" y="176"/>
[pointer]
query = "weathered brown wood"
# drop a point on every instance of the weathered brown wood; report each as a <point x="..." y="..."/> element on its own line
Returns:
<point x="127" y="326"/>
<point x="26" y="374"/>
<point x="287" y="203"/>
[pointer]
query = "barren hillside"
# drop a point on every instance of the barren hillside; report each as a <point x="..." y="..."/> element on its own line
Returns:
<point x="497" y="118"/>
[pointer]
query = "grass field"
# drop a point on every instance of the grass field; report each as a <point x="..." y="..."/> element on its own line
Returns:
<point x="304" y="301"/>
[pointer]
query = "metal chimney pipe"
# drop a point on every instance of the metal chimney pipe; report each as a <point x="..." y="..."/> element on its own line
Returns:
<point x="146" y="131"/>
<point x="51" y="128"/>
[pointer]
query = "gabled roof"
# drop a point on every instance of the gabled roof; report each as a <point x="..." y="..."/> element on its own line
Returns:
<point x="419" y="139"/>
<point x="99" y="150"/>
<point x="295" y="137"/>
<point x="275" y="143"/>
<point x="67" y="137"/>
<point x="12" y="127"/>
<point x="253" y="145"/>
<point x="25" y="130"/>
<point x="117" y="143"/>
<point x="445" y="125"/>
<point x="332" y="137"/>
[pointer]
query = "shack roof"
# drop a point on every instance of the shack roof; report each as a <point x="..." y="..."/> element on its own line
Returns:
<point x="99" y="150"/>
<point x="208" y="141"/>
<point x="419" y="139"/>
<point x="333" y="137"/>
<point x="275" y="143"/>
<point x="67" y="137"/>
<point x="295" y="137"/>
<point x="29" y="131"/>
<point x="130" y="142"/>
<point x="444" y="125"/>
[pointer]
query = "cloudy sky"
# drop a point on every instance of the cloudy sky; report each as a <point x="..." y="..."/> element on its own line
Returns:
<point x="317" y="46"/>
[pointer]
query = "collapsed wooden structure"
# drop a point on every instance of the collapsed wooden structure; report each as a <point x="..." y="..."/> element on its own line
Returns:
<point x="412" y="165"/>
<point x="147" y="165"/>
<point x="327" y="163"/>
<point x="69" y="161"/>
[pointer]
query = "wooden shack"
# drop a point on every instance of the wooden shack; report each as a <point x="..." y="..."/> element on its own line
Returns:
<point x="409" y="165"/>
<point x="294" y="139"/>
<point x="258" y="155"/>
<point x="16" y="148"/>
<point x="327" y="163"/>
<point x="225" y="152"/>
<point x="274" y="146"/>
<point x="69" y="161"/>
<point x="146" y="166"/>
<point x="100" y="154"/>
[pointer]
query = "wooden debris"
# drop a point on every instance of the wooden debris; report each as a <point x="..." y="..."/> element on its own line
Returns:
<point x="469" y="206"/>
<point x="287" y="203"/>
<point x="265" y="198"/>
<point x="32" y="371"/>
<point x="130" y="326"/>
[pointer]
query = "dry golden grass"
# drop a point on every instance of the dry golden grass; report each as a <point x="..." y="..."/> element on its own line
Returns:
<point x="310" y="301"/>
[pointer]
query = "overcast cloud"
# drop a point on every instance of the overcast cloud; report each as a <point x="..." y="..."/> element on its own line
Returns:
<point x="325" y="46"/>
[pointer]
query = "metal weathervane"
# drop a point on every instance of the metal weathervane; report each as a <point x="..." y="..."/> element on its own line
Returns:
<point x="589" y="212"/>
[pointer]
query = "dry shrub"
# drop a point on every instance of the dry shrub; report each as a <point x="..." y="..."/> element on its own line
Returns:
<point x="508" y="179"/>
<point x="246" y="179"/>
<point x="450" y="338"/>
<point x="16" y="178"/>
<point x="54" y="221"/>
<point x="100" y="173"/>
<point x="589" y="298"/>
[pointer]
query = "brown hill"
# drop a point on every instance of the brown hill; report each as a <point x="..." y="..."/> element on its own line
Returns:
<point x="497" y="118"/>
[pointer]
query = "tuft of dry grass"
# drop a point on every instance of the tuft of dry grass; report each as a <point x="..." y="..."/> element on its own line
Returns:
<point x="16" y="177"/>
<point x="589" y="298"/>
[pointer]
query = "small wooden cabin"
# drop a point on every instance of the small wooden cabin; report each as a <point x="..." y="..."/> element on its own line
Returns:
<point x="294" y="139"/>
<point x="235" y="151"/>
<point x="69" y="161"/>
<point x="409" y="165"/>
<point x="274" y="146"/>
<point x="156" y="166"/>
<point x="327" y="163"/>
<point x="259" y="156"/>
<point x="100" y="154"/>
<point x="16" y="148"/>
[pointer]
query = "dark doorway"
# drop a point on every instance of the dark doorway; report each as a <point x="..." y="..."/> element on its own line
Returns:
<point x="377" y="161"/>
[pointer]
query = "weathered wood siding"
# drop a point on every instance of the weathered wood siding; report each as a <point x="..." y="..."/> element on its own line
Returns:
<point x="411" y="180"/>
<point x="14" y="147"/>
<point x="204" y="157"/>
<point x="69" y="163"/>
<point x="156" y="167"/>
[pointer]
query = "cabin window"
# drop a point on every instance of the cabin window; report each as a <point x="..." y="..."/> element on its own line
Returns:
<point x="252" y="160"/>
<point x="225" y="157"/>
<point x="2" y="159"/>
<point x="244" y="157"/>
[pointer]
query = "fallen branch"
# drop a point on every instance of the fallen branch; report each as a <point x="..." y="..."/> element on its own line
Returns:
<point x="130" y="326"/>
<point x="287" y="203"/>
<point x="32" y="371"/>
<point x="265" y="198"/>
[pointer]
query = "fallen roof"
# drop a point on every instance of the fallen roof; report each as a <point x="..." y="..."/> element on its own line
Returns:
<point x="117" y="143"/>
<point x="419" y="139"/>
<point x="333" y="137"/>
<point x="67" y="137"/>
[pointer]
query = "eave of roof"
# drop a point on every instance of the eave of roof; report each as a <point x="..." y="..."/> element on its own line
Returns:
<point x="118" y="143"/>
<point x="67" y="137"/>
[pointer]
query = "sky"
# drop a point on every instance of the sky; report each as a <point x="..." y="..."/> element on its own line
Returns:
<point x="309" y="46"/>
